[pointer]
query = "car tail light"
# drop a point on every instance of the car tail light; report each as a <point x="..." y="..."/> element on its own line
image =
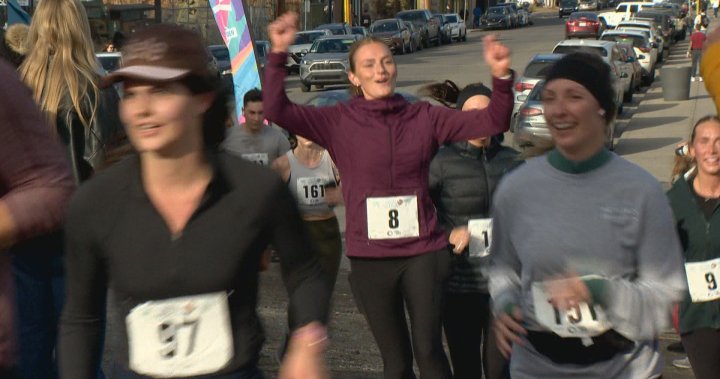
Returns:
<point x="523" y="86"/>
<point x="529" y="112"/>
<point x="645" y="49"/>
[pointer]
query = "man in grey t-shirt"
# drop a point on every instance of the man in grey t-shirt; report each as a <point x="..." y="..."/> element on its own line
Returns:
<point x="253" y="140"/>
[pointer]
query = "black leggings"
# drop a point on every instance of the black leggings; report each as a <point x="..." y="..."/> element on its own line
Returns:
<point x="325" y="234"/>
<point x="383" y="288"/>
<point x="703" y="348"/>
<point x="467" y="321"/>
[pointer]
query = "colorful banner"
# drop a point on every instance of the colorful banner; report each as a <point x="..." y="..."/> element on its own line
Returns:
<point x="234" y="28"/>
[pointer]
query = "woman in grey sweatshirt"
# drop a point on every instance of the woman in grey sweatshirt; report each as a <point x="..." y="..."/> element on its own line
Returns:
<point x="585" y="260"/>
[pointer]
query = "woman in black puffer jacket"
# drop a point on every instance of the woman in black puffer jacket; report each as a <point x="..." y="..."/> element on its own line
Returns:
<point x="463" y="177"/>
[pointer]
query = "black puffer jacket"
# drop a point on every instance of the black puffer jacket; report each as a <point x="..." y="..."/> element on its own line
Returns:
<point x="463" y="178"/>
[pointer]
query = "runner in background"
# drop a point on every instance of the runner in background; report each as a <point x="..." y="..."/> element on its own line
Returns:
<point x="383" y="146"/>
<point x="463" y="177"/>
<point x="694" y="198"/>
<point x="585" y="264"/>
<point x="177" y="231"/>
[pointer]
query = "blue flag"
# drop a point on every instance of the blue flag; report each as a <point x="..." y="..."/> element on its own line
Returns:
<point x="15" y="14"/>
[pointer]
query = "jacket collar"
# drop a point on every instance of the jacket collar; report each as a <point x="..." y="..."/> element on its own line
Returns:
<point x="391" y="104"/>
<point x="469" y="150"/>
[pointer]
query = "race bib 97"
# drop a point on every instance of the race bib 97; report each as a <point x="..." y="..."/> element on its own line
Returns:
<point x="581" y="321"/>
<point x="310" y="191"/>
<point x="185" y="336"/>
<point x="257" y="158"/>
<point x="480" y="236"/>
<point x="703" y="279"/>
<point x="392" y="217"/>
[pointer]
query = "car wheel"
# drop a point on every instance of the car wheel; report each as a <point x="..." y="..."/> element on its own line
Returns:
<point x="304" y="87"/>
<point x="425" y="41"/>
<point x="628" y="95"/>
<point x="464" y="37"/>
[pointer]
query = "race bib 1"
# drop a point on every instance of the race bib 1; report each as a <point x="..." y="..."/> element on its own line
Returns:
<point x="392" y="217"/>
<point x="258" y="158"/>
<point x="703" y="279"/>
<point x="185" y="336"/>
<point x="480" y="237"/>
<point x="311" y="191"/>
<point x="581" y="321"/>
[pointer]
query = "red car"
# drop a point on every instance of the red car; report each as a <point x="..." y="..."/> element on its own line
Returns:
<point x="583" y="25"/>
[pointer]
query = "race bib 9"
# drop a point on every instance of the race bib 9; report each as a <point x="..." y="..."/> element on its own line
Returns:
<point x="392" y="217"/>
<point x="703" y="279"/>
<point x="310" y="191"/>
<point x="257" y="158"/>
<point x="581" y="321"/>
<point x="480" y="236"/>
<point x="185" y="336"/>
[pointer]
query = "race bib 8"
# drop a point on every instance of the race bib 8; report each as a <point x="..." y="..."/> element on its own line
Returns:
<point x="310" y="191"/>
<point x="581" y="321"/>
<point x="257" y="158"/>
<point x="480" y="237"/>
<point x="703" y="279"/>
<point x="392" y="217"/>
<point x="185" y="336"/>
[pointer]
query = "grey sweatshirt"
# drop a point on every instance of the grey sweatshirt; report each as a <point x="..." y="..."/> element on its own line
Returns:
<point x="613" y="221"/>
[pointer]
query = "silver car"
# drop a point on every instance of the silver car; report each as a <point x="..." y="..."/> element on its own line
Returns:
<point x="301" y="46"/>
<point x="535" y="71"/>
<point x="532" y="126"/>
<point x="327" y="61"/>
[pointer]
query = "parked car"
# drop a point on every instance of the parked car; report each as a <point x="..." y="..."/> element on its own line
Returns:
<point x="337" y="28"/>
<point x="535" y="71"/>
<point x="445" y="31"/>
<point x="327" y="61"/>
<point x="652" y="27"/>
<point x="663" y="19"/>
<point x="394" y="33"/>
<point x="109" y="61"/>
<point x="458" y="29"/>
<point x="532" y="126"/>
<point x="583" y="25"/>
<point x="623" y="11"/>
<point x="645" y="50"/>
<point x="567" y="7"/>
<point x="415" y="36"/>
<point x="631" y="58"/>
<point x="301" y="45"/>
<point x="588" y="5"/>
<point x="222" y="56"/>
<point x="360" y="30"/>
<point x="522" y="16"/>
<point x="650" y="34"/>
<point x="423" y="20"/>
<point x="609" y="52"/>
<point x="497" y="17"/>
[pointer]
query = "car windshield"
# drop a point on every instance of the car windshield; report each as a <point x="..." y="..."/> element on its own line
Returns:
<point x="538" y="69"/>
<point x="536" y="92"/>
<point x="451" y="18"/>
<point x="630" y="39"/>
<point x="496" y="10"/>
<point x="568" y="3"/>
<point x="333" y="28"/>
<point x="261" y="49"/>
<point x="411" y="16"/>
<point x="384" y="26"/>
<point x="221" y="53"/>
<point x="307" y="38"/>
<point x="331" y="46"/>
<point x="357" y="30"/>
<point x="582" y="49"/>
<point x="583" y="15"/>
<point x="110" y="64"/>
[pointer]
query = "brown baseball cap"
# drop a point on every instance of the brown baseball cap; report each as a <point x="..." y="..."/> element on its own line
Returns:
<point x="161" y="52"/>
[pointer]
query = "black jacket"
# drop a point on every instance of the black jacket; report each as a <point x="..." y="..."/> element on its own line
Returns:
<point x="463" y="178"/>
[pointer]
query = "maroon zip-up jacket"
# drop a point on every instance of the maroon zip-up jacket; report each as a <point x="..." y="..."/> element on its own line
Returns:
<point x="383" y="148"/>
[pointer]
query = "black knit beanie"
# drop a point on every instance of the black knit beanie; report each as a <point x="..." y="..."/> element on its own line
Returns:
<point x="592" y="73"/>
<point x="470" y="91"/>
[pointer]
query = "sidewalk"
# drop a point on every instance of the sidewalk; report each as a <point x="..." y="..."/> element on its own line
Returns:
<point x="657" y="126"/>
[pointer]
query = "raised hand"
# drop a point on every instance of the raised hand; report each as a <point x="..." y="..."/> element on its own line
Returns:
<point x="497" y="56"/>
<point x="282" y="32"/>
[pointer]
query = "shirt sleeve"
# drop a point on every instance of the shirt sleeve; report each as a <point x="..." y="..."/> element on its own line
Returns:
<point x="35" y="178"/>
<point x="504" y="268"/>
<point x="640" y="309"/>
<point x="453" y="125"/>
<point x="81" y="323"/>
<point x="314" y="123"/>
<point x="307" y="286"/>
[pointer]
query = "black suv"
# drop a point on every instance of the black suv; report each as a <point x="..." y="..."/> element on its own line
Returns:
<point x="423" y="19"/>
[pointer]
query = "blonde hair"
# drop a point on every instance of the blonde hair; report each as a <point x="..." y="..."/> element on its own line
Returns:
<point x="356" y="91"/>
<point x="684" y="163"/>
<point x="61" y="63"/>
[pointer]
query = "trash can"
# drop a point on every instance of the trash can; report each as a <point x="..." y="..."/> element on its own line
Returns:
<point x="675" y="83"/>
